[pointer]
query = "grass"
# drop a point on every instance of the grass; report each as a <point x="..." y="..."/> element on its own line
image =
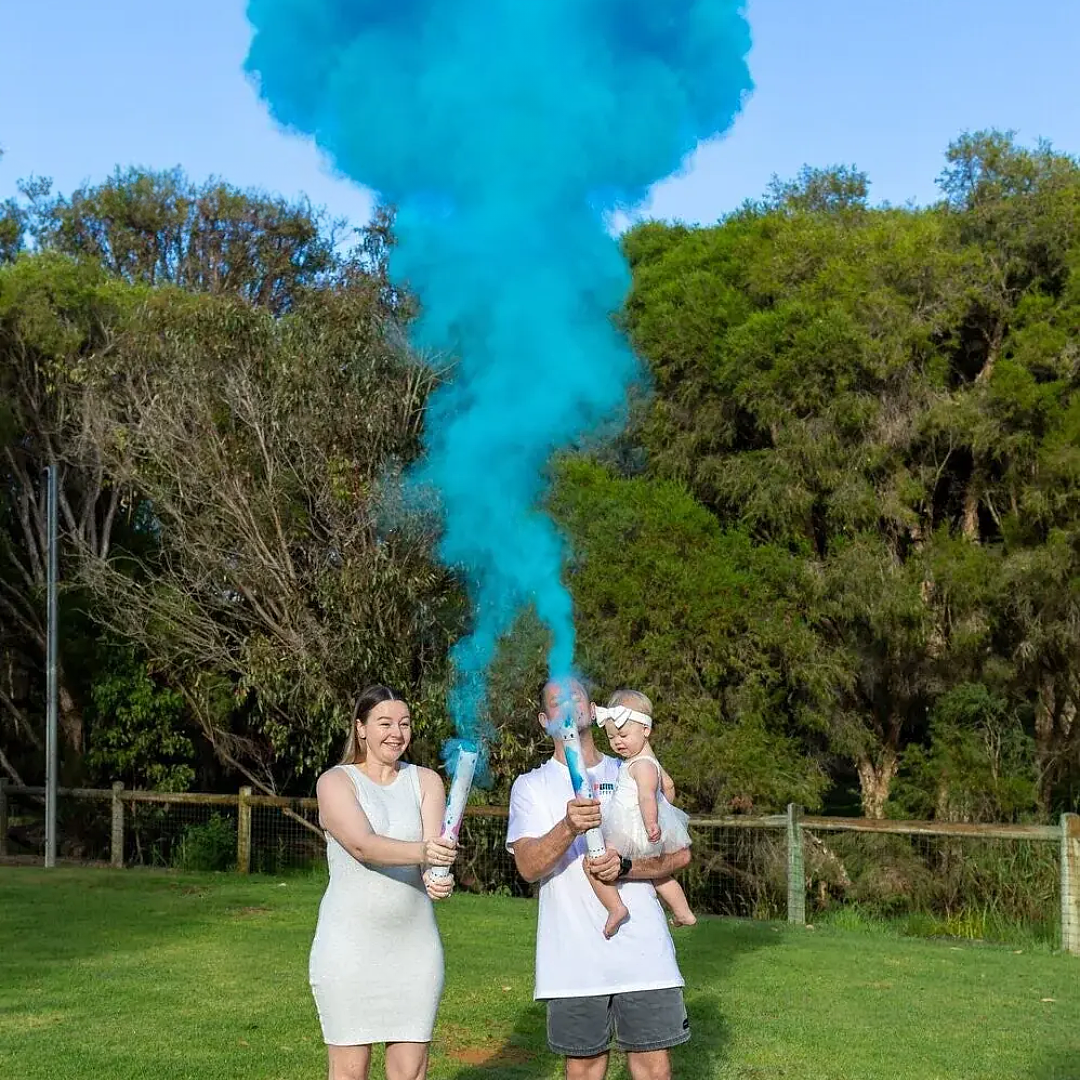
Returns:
<point x="973" y="924"/>
<point x="141" y="975"/>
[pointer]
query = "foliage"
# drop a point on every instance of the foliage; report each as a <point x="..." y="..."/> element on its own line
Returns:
<point x="979" y="764"/>
<point x="891" y="393"/>
<point x="137" y="728"/>
<point x="161" y="228"/>
<point x="168" y="346"/>
<point x="260" y="446"/>
<point x="839" y="543"/>
<point x="704" y="622"/>
<point x="210" y="845"/>
<point x="53" y="313"/>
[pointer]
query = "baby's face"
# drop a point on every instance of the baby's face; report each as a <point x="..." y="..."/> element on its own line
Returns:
<point x="627" y="741"/>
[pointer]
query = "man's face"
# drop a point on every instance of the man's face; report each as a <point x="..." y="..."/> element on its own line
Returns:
<point x="566" y="695"/>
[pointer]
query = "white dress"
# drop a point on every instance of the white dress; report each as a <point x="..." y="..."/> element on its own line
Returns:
<point x="376" y="964"/>
<point x="624" y="827"/>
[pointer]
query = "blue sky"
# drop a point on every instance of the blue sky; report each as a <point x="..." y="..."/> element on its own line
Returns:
<point x="884" y="85"/>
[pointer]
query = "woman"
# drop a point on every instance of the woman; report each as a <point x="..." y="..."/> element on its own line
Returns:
<point x="376" y="966"/>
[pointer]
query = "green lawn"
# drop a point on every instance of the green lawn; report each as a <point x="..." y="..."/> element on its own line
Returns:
<point x="133" y="975"/>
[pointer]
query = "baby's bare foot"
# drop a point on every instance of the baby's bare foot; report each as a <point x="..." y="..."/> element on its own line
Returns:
<point x="684" y="918"/>
<point x="615" y="919"/>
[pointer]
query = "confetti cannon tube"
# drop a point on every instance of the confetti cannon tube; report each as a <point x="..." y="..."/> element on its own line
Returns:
<point x="455" y="804"/>
<point x="579" y="776"/>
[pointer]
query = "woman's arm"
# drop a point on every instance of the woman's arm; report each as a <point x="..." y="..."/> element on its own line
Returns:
<point x="343" y="818"/>
<point x="432" y="803"/>
<point x="432" y="812"/>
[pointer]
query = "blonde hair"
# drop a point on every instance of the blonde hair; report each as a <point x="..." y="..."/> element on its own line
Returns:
<point x="355" y="747"/>
<point x="632" y="699"/>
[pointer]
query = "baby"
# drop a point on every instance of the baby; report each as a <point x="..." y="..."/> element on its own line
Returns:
<point x="639" y="820"/>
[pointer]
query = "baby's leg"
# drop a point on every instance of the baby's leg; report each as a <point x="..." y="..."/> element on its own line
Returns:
<point x="608" y="895"/>
<point x="670" y="891"/>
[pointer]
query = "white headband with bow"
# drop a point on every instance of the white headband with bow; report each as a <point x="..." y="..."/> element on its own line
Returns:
<point x="619" y="714"/>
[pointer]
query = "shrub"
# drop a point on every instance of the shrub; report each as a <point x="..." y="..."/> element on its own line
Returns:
<point x="209" y="846"/>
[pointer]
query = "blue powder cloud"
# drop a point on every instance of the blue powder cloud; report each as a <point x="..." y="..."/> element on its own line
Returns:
<point x="503" y="131"/>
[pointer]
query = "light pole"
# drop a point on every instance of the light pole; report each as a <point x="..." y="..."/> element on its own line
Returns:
<point x="51" y="741"/>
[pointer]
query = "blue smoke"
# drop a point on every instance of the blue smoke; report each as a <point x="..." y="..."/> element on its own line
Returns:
<point x="504" y="131"/>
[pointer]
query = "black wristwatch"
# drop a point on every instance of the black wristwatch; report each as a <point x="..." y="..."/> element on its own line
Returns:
<point x="624" y="867"/>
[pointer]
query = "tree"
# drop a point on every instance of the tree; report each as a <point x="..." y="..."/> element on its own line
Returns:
<point x="53" y="312"/>
<point x="795" y="355"/>
<point x="67" y="306"/>
<point x="161" y="228"/>
<point x="12" y="228"/>
<point x="707" y="624"/>
<point x="138" y="730"/>
<point x="259" y="447"/>
<point x="1020" y="209"/>
<point x="978" y="765"/>
<point x="839" y="188"/>
<point x="890" y="393"/>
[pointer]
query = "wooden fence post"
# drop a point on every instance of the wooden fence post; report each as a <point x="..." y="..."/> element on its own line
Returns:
<point x="116" y="843"/>
<point x="1070" y="883"/>
<point x="3" y="815"/>
<point x="243" y="832"/>
<point x="796" y="876"/>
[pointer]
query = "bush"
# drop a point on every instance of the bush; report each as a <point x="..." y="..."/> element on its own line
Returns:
<point x="209" y="846"/>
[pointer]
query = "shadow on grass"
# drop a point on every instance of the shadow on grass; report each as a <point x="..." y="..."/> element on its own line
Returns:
<point x="706" y="954"/>
<point x="65" y="915"/>
<point x="1062" y="1065"/>
<point x="522" y="1055"/>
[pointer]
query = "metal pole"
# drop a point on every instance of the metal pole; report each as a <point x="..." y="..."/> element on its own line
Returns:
<point x="51" y="741"/>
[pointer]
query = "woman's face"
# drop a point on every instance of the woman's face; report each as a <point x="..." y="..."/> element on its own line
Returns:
<point x="386" y="732"/>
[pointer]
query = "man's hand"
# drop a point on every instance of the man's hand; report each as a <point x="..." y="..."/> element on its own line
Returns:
<point x="605" y="868"/>
<point x="653" y="833"/>
<point x="583" y="815"/>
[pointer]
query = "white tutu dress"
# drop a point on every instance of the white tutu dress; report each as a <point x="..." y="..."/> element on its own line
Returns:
<point x="624" y="827"/>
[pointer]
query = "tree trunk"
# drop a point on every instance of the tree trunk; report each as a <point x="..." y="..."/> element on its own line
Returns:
<point x="70" y="717"/>
<point x="875" y="780"/>
<point x="1056" y="735"/>
<point x="969" y="525"/>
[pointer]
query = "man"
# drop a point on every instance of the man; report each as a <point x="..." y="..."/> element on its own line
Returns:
<point x="628" y="986"/>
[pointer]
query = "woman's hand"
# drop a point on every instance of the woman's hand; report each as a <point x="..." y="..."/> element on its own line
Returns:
<point x="653" y="832"/>
<point x="440" y="852"/>
<point x="438" y="888"/>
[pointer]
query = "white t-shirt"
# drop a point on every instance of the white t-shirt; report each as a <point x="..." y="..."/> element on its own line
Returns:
<point x="573" y="958"/>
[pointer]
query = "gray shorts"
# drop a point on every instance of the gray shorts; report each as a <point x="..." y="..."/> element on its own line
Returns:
<point x="642" y="1020"/>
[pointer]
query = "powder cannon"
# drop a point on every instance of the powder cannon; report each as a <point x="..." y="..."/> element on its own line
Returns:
<point x="579" y="777"/>
<point x="455" y="803"/>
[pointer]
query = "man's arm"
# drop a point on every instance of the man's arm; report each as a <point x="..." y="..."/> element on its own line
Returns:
<point x="606" y="868"/>
<point x="658" y="866"/>
<point x="536" y="857"/>
<point x="667" y="785"/>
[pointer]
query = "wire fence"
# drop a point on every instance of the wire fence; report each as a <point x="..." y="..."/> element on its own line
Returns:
<point x="1011" y="883"/>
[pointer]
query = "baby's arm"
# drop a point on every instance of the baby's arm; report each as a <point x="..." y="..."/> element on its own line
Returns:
<point x="644" y="773"/>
